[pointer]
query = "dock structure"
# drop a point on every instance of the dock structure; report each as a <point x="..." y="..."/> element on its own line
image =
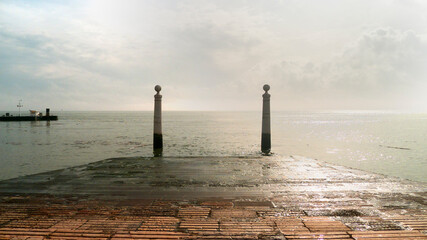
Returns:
<point x="27" y="118"/>
<point x="34" y="117"/>
<point x="188" y="198"/>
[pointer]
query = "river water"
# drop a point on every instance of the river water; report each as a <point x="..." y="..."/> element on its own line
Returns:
<point x="393" y="144"/>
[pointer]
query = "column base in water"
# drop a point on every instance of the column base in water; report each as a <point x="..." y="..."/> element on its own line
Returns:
<point x="266" y="143"/>
<point x="157" y="145"/>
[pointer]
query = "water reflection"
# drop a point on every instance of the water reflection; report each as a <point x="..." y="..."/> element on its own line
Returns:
<point x="353" y="140"/>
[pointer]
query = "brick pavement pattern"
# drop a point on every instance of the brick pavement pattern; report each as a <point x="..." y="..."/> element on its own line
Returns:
<point x="53" y="217"/>
<point x="212" y="198"/>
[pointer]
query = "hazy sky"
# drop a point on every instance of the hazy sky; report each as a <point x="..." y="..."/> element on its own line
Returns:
<point x="214" y="55"/>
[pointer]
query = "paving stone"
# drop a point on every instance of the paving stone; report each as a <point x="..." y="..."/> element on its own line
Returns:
<point x="369" y="235"/>
<point x="200" y="226"/>
<point x="194" y="212"/>
<point x="159" y="223"/>
<point x="235" y="227"/>
<point x="233" y="213"/>
<point x="217" y="204"/>
<point x="273" y="198"/>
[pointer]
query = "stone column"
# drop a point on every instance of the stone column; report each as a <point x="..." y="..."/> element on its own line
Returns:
<point x="266" y="130"/>
<point x="157" y="133"/>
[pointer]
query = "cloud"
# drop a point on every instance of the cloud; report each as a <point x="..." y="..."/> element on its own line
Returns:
<point x="106" y="55"/>
<point x="384" y="59"/>
<point x="379" y="70"/>
<point x="70" y="69"/>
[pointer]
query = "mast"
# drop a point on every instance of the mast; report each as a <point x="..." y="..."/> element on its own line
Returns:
<point x="19" y="106"/>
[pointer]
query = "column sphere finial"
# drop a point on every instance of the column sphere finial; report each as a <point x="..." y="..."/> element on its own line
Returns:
<point x="266" y="87"/>
<point x="157" y="88"/>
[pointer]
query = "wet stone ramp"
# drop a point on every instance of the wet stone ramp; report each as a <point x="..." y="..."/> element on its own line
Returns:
<point x="194" y="177"/>
<point x="211" y="198"/>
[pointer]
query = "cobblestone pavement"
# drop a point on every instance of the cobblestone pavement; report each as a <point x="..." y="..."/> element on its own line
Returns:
<point x="216" y="198"/>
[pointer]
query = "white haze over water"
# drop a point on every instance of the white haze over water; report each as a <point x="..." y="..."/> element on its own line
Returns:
<point x="214" y="55"/>
<point x="387" y="143"/>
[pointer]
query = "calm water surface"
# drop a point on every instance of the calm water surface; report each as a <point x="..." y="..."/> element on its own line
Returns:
<point x="388" y="143"/>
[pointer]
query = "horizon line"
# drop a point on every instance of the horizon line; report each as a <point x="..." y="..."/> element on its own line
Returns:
<point x="288" y="110"/>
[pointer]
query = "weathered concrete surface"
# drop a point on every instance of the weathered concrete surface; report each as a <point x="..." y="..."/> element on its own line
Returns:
<point x="271" y="197"/>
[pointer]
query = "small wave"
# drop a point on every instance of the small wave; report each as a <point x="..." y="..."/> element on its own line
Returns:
<point x="132" y="143"/>
<point x="401" y="148"/>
